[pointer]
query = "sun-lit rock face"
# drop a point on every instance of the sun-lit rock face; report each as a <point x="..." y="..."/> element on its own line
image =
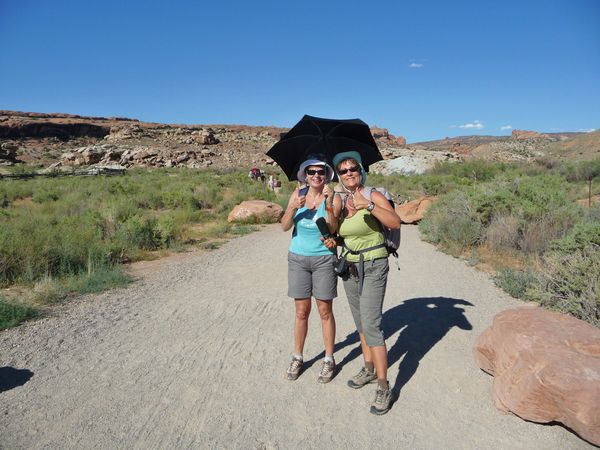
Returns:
<point x="546" y="368"/>
<point x="256" y="211"/>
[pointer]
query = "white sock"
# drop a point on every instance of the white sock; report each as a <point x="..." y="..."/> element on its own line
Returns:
<point x="329" y="358"/>
<point x="297" y="356"/>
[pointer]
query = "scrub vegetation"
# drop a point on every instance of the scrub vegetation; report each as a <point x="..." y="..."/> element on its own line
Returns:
<point x="60" y="236"/>
<point x="523" y="223"/>
<point x="67" y="235"/>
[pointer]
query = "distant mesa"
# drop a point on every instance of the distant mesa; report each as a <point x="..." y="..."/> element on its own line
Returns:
<point x="69" y="140"/>
<point x="526" y="134"/>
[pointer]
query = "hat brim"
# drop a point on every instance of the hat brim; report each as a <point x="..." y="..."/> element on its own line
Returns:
<point x="301" y="175"/>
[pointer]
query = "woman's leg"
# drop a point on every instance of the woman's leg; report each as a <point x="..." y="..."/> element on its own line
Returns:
<point x="366" y="350"/>
<point x="301" y="324"/>
<point x="380" y="360"/>
<point x="328" y="324"/>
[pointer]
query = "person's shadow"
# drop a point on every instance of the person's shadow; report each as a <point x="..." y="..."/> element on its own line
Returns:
<point x="11" y="378"/>
<point x="423" y="321"/>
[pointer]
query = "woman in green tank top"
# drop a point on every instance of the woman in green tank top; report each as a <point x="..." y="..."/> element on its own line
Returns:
<point x="360" y="221"/>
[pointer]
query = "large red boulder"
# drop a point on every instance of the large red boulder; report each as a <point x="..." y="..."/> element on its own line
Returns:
<point x="412" y="212"/>
<point x="546" y="368"/>
<point x="256" y="211"/>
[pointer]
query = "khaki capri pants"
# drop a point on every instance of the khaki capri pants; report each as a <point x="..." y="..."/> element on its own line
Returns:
<point x="367" y="308"/>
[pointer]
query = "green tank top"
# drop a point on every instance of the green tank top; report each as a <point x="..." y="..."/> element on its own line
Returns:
<point x="362" y="230"/>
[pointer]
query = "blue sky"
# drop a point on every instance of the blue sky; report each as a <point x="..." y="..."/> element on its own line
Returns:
<point x="422" y="69"/>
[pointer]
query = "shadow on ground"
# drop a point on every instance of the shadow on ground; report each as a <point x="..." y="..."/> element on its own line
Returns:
<point x="11" y="378"/>
<point x="424" y="322"/>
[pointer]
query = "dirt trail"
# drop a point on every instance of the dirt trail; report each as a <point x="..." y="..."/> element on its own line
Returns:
<point x="193" y="356"/>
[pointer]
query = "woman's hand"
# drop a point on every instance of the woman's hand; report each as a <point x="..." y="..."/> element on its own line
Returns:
<point x="359" y="201"/>
<point x="330" y="243"/>
<point x="296" y="200"/>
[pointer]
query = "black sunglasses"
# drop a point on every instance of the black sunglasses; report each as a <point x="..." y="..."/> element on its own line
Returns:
<point x="315" y="172"/>
<point x="349" y="169"/>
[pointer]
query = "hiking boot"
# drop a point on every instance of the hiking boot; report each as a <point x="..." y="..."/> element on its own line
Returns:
<point x="294" y="370"/>
<point x="361" y="378"/>
<point x="327" y="370"/>
<point x="383" y="401"/>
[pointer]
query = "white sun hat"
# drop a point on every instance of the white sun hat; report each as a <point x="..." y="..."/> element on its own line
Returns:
<point x="314" y="162"/>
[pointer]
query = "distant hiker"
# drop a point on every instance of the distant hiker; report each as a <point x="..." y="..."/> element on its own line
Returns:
<point x="271" y="183"/>
<point x="254" y="173"/>
<point x="360" y="222"/>
<point x="310" y="261"/>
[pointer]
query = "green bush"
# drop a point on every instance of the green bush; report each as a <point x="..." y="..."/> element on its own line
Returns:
<point x="515" y="282"/>
<point x="98" y="280"/>
<point x="11" y="314"/>
<point x="571" y="283"/>
<point x="453" y="222"/>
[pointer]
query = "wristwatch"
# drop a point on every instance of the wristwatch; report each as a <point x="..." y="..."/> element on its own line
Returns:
<point x="371" y="207"/>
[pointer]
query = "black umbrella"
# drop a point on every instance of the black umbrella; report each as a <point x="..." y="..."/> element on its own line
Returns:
<point x="315" y="135"/>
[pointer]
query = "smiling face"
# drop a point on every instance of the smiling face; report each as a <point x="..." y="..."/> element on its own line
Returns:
<point x="315" y="176"/>
<point x="349" y="173"/>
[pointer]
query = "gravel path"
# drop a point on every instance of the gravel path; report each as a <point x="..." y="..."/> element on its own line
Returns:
<point x="193" y="355"/>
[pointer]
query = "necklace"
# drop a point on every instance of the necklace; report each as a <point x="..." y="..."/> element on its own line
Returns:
<point x="315" y="197"/>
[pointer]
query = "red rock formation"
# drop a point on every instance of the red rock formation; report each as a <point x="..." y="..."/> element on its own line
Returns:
<point x="383" y="135"/>
<point x="412" y="212"/>
<point x="546" y="368"/>
<point x="259" y="210"/>
<point x="525" y="134"/>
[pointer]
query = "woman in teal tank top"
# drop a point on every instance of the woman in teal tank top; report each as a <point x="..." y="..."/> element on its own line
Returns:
<point x="310" y="261"/>
<point x="360" y="221"/>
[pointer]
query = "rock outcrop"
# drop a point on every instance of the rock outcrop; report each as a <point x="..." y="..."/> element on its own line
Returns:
<point x="257" y="211"/>
<point x="383" y="136"/>
<point x="546" y="368"/>
<point x="525" y="134"/>
<point x="412" y="212"/>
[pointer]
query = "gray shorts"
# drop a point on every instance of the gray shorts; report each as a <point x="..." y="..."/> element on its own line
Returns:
<point x="367" y="308"/>
<point x="311" y="276"/>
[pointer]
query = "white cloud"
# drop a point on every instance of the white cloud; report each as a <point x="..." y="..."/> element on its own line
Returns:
<point x="416" y="65"/>
<point x="506" y="127"/>
<point x="476" y="124"/>
<point x="587" y="130"/>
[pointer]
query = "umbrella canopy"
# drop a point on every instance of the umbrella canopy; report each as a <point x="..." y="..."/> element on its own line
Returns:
<point x="315" y="135"/>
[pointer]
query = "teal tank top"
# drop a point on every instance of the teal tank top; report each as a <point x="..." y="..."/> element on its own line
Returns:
<point x="306" y="237"/>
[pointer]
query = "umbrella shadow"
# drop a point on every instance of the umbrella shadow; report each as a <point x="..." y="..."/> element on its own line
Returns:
<point x="424" y="322"/>
<point x="11" y="378"/>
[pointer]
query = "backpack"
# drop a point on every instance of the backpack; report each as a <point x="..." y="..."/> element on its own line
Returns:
<point x="391" y="237"/>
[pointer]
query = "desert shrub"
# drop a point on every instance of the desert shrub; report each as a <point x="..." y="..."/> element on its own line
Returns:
<point x="43" y="195"/>
<point x="582" y="235"/>
<point x="503" y="232"/>
<point x="478" y="170"/>
<point x="581" y="170"/>
<point x="515" y="282"/>
<point x="167" y="230"/>
<point x="536" y="233"/>
<point x="98" y="280"/>
<point x="452" y="222"/>
<point x="11" y="314"/>
<point x="138" y="232"/>
<point x="48" y="291"/>
<point x="571" y="283"/>
<point x="241" y="230"/>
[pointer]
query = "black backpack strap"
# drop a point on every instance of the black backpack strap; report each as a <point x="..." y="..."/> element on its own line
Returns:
<point x="361" y="262"/>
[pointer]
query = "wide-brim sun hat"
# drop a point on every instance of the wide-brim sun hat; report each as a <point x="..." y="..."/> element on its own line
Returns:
<point x="314" y="162"/>
<point x="338" y="158"/>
